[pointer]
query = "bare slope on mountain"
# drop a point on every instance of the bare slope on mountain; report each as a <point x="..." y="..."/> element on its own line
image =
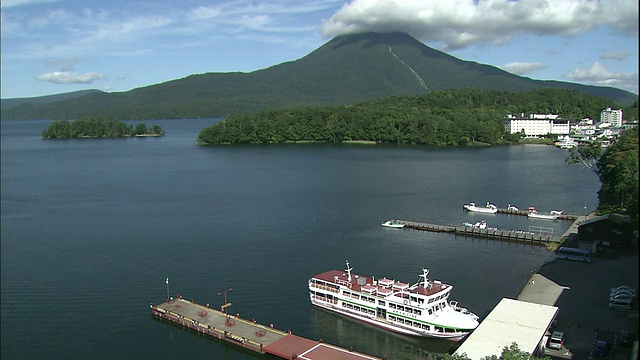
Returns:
<point x="346" y="70"/>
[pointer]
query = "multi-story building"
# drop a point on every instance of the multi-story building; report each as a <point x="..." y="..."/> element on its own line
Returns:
<point x="613" y="117"/>
<point x="537" y="125"/>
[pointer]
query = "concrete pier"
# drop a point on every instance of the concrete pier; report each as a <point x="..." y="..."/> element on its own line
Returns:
<point x="249" y="334"/>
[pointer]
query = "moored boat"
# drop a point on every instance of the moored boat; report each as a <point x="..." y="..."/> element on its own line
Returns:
<point x="566" y="143"/>
<point x="533" y="213"/>
<point x="488" y="209"/>
<point x="511" y="208"/>
<point x="393" y="224"/>
<point x="478" y="224"/>
<point x="422" y="309"/>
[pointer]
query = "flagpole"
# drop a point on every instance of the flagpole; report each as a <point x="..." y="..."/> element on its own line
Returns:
<point x="167" y="282"/>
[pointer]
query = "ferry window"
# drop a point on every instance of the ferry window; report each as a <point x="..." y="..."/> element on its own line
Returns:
<point x="425" y="327"/>
<point x="431" y="300"/>
<point x="416" y="325"/>
<point x="392" y="318"/>
<point x="413" y="298"/>
<point x="356" y="308"/>
<point x="417" y="312"/>
<point x="409" y="310"/>
<point x="381" y="302"/>
<point x="400" y="307"/>
<point x="430" y="311"/>
<point x="420" y="301"/>
<point x="346" y="293"/>
<point x="393" y="306"/>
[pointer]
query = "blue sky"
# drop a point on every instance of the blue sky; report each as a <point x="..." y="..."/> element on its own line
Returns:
<point x="57" y="46"/>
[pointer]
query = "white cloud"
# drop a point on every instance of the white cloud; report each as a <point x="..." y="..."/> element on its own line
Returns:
<point x="69" y="77"/>
<point x="599" y="75"/>
<point x="458" y="24"/>
<point x="522" y="68"/>
<point x="616" y="56"/>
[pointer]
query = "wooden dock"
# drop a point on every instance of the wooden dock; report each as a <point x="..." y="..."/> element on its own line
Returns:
<point x="248" y="334"/>
<point x="491" y="233"/>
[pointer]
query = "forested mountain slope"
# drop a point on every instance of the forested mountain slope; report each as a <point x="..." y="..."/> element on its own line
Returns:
<point x="346" y="70"/>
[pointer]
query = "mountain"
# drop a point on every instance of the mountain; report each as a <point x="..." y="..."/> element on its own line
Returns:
<point x="346" y="70"/>
<point x="8" y="103"/>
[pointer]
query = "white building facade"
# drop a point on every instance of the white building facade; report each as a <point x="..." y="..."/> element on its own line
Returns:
<point x="613" y="117"/>
<point x="537" y="125"/>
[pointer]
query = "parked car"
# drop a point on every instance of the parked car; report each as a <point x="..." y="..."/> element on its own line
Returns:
<point x="602" y="348"/>
<point x="621" y="297"/>
<point x="624" y="287"/>
<point x="556" y="340"/>
<point x="620" y="305"/>
<point x="622" y="292"/>
<point x="625" y="338"/>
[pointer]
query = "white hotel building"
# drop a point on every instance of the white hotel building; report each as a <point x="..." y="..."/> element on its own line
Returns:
<point x="537" y="125"/>
<point x="613" y="117"/>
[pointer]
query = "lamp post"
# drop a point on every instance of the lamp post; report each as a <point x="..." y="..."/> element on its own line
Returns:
<point x="167" y="282"/>
<point x="226" y="304"/>
<point x="585" y="213"/>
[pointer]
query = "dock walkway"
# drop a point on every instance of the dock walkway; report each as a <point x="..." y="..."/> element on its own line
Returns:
<point x="492" y="233"/>
<point x="249" y="334"/>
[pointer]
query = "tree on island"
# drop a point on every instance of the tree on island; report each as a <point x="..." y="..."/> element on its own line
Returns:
<point x="440" y="118"/>
<point x="96" y="128"/>
<point x="141" y="129"/>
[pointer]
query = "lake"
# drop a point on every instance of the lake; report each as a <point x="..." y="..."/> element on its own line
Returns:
<point x="91" y="228"/>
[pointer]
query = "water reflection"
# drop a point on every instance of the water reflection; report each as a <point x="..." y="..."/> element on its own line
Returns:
<point x="348" y="333"/>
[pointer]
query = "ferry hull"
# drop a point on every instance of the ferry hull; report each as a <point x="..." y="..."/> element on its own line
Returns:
<point x="393" y="328"/>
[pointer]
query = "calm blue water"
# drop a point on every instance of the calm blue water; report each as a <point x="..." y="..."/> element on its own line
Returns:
<point x="91" y="228"/>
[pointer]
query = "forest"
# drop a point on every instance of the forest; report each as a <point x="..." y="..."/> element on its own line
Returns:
<point x="97" y="128"/>
<point x="441" y="118"/>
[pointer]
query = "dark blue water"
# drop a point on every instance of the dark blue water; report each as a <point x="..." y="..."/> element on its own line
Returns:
<point x="91" y="229"/>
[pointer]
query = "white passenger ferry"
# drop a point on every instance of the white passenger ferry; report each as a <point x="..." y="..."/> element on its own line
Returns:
<point x="421" y="309"/>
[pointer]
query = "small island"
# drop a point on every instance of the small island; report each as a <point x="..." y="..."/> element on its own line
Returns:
<point x="96" y="128"/>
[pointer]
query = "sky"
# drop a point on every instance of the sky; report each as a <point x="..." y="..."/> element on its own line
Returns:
<point x="58" y="46"/>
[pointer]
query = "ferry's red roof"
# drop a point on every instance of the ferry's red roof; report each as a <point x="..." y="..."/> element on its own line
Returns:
<point x="342" y="279"/>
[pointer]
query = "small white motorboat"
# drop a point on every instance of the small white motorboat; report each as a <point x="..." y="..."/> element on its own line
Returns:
<point x="487" y="209"/>
<point x="478" y="225"/>
<point x="393" y="224"/>
<point x="534" y="214"/>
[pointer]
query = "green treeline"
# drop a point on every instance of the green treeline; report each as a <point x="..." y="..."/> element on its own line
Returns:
<point x="618" y="171"/>
<point x="449" y="117"/>
<point x="96" y="128"/>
